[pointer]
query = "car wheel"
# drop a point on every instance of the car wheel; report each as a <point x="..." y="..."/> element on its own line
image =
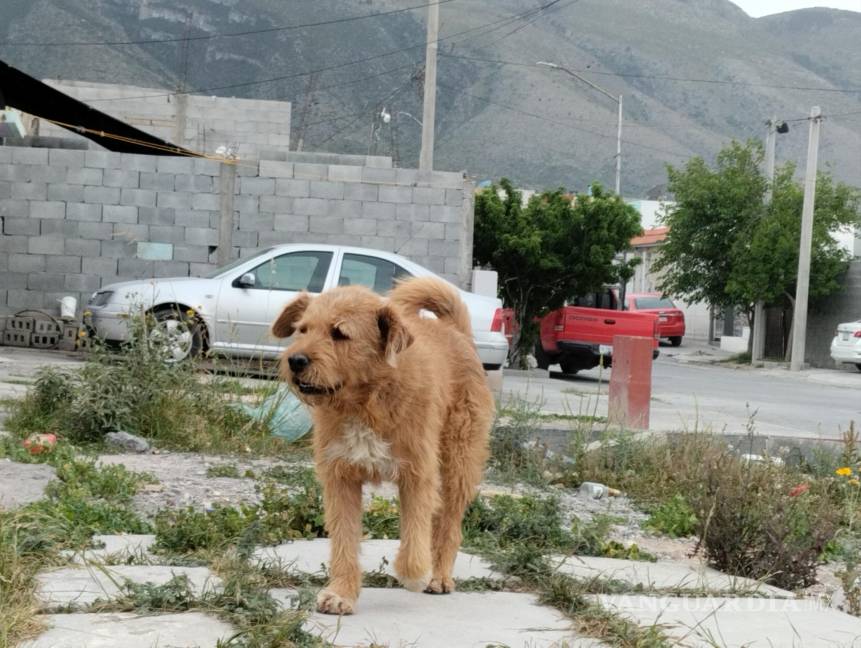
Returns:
<point x="178" y="335"/>
<point x="858" y="366"/>
<point x="568" y="367"/>
<point x="541" y="358"/>
<point x="676" y="340"/>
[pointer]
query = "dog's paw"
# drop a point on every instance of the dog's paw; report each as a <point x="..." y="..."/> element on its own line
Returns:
<point x="328" y="602"/>
<point x="444" y="585"/>
<point x="415" y="584"/>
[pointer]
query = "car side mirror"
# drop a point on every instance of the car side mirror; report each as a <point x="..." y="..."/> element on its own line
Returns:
<point x="248" y="280"/>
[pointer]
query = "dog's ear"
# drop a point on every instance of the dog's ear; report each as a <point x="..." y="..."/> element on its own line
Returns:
<point x="394" y="336"/>
<point x="283" y="326"/>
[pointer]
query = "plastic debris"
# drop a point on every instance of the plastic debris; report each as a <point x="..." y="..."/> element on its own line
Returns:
<point x="282" y="413"/>
<point x="40" y="443"/>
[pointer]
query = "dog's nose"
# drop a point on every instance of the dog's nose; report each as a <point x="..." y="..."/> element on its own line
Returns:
<point x="298" y="362"/>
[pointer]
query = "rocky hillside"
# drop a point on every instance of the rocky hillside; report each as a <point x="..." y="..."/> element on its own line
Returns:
<point x="694" y="73"/>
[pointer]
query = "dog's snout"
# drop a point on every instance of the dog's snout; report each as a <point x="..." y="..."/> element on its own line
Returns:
<point x="298" y="362"/>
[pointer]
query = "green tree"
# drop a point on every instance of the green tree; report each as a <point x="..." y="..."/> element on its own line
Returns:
<point x="551" y="250"/>
<point x="726" y="247"/>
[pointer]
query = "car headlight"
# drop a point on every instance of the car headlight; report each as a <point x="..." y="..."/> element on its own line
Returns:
<point x="100" y="298"/>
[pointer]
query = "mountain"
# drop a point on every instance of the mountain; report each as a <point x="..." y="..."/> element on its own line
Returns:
<point x="693" y="74"/>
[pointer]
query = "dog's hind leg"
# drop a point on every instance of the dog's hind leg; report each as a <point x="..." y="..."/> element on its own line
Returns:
<point x="342" y="505"/>
<point x="462" y="464"/>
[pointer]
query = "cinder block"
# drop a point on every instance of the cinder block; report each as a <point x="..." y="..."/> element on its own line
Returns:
<point x="303" y="171"/>
<point x="64" y="228"/>
<point x="157" y="181"/>
<point x="45" y="245"/>
<point x="415" y="248"/>
<point x="428" y="230"/>
<point x="82" y="247"/>
<point x="121" y="178"/>
<point x="47" y="209"/>
<point x="172" y="269"/>
<point x="378" y="243"/>
<point x="277" y="237"/>
<point x="166" y="234"/>
<point x="171" y="164"/>
<point x="27" y="155"/>
<point x="64" y="264"/>
<point x="454" y="231"/>
<point x="85" y="176"/>
<point x="68" y="337"/>
<point x="394" y="194"/>
<point x="22" y="298"/>
<point x="447" y="180"/>
<point x="414" y="213"/>
<point x="200" y="269"/>
<point x="256" y="222"/>
<point x="137" y="162"/>
<point x="345" y="173"/>
<point x="102" y="231"/>
<point x="119" y="214"/>
<point x="16" y="338"/>
<point x="191" y="218"/>
<point x="452" y="265"/>
<point x="99" y="266"/>
<point x="444" y="248"/>
<point x="66" y="192"/>
<point x="9" y="243"/>
<point x="428" y="196"/>
<point x="20" y="226"/>
<point x="288" y="223"/>
<point x="177" y="200"/>
<point x="13" y="280"/>
<point x="130" y="232"/>
<point x="379" y="176"/>
<point x="14" y="208"/>
<point x="454" y="197"/>
<point x="203" y="166"/>
<point x="327" y="189"/>
<point x="191" y="253"/>
<point x="44" y="280"/>
<point x="81" y="211"/>
<point x="6" y="190"/>
<point x="293" y="188"/>
<point x="275" y="169"/>
<point x="407" y="177"/>
<point x="101" y="159"/>
<point x="43" y="326"/>
<point x="380" y="211"/>
<point x="397" y="229"/>
<point x="29" y="191"/>
<point x="257" y="186"/>
<point x="46" y="174"/>
<point x="206" y="201"/>
<point x="83" y="282"/>
<point x="66" y="157"/>
<point x="245" y="239"/>
<point x="360" y="226"/>
<point x="156" y="216"/>
<point x="246" y="203"/>
<point x="345" y="208"/>
<point x="193" y="183"/>
<point x="24" y="324"/>
<point x="200" y="236"/>
<point x="27" y="263"/>
<point x="131" y="268"/>
<point x="326" y="225"/>
<point x="310" y="206"/>
<point x="118" y="249"/>
<point x="140" y="198"/>
<point x="364" y="192"/>
<point x="276" y="204"/>
<point x="12" y="172"/>
<point x="446" y="214"/>
<point x="4" y="263"/>
<point x="103" y="195"/>
<point x="247" y="168"/>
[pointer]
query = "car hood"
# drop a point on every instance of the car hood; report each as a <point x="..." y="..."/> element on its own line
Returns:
<point x="149" y="291"/>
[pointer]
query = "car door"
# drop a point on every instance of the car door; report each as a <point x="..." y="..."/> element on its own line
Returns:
<point x="245" y="313"/>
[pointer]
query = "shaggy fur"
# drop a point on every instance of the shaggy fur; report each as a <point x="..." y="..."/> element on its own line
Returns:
<point x="397" y="397"/>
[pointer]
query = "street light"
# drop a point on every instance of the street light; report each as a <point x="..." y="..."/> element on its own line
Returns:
<point x="618" y="100"/>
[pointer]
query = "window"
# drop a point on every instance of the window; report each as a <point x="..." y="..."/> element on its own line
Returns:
<point x="295" y="271"/>
<point x="653" y="302"/>
<point x="377" y="274"/>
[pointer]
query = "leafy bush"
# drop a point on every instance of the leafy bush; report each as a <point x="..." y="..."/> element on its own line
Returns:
<point x="674" y="518"/>
<point x="502" y="521"/>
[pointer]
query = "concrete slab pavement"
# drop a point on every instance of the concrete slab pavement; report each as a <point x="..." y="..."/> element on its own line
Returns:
<point x="21" y="484"/>
<point x="116" y="548"/>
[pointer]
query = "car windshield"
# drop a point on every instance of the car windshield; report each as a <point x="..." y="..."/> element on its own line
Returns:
<point x="653" y="302"/>
<point x="233" y="264"/>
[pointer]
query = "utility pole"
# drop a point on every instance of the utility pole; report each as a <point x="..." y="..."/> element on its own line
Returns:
<point x="619" y="152"/>
<point x="306" y="107"/>
<point x="802" y="289"/>
<point x="758" y="332"/>
<point x="429" y="112"/>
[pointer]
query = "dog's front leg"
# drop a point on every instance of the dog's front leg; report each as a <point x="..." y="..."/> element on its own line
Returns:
<point x="419" y="501"/>
<point x="342" y="503"/>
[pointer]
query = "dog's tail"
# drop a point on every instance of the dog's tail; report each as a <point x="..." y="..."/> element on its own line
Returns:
<point x="435" y="295"/>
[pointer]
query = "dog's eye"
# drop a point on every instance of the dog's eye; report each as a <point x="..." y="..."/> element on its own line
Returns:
<point x="338" y="334"/>
<point x="303" y="330"/>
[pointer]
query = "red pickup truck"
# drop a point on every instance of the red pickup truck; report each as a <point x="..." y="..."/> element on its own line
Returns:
<point x="577" y="336"/>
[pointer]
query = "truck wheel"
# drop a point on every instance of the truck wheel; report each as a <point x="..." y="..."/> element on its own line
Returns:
<point x="676" y="340"/>
<point x="858" y="366"/>
<point x="541" y="358"/>
<point x="569" y="367"/>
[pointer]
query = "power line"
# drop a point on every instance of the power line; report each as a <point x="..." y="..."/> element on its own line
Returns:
<point x="251" y="32"/>
<point x="337" y="66"/>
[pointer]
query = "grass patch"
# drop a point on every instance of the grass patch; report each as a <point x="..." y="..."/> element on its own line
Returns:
<point x="738" y="358"/>
<point x="228" y="470"/>
<point x="674" y="518"/>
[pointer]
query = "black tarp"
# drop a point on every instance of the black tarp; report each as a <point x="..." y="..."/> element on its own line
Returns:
<point x="29" y="95"/>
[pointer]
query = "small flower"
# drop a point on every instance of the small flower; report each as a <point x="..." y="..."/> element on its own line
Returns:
<point x="190" y="312"/>
<point x="82" y="334"/>
<point x="88" y="313"/>
<point x="798" y="490"/>
<point x="845" y="471"/>
<point x="854" y="482"/>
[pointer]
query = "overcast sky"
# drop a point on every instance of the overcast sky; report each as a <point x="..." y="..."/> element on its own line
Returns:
<point x="758" y="8"/>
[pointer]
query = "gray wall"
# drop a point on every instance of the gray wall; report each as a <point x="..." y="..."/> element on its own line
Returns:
<point x="845" y="306"/>
<point x="73" y="220"/>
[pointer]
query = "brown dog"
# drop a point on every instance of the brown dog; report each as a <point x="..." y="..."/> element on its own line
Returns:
<point x="397" y="397"/>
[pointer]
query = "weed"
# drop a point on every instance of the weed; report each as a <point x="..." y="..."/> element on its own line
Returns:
<point x="382" y="519"/>
<point x="514" y="453"/>
<point x="224" y="470"/>
<point x="674" y="518"/>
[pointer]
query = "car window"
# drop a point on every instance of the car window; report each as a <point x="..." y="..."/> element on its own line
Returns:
<point x="295" y="271"/>
<point x="377" y="274"/>
<point x="653" y="302"/>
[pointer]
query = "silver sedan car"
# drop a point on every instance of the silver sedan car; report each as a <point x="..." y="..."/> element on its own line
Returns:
<point x="229" y="311"/>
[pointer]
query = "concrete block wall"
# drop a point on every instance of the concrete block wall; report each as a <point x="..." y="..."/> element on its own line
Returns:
<point x="72" y="221"/>
<point x="206" y="123"/>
